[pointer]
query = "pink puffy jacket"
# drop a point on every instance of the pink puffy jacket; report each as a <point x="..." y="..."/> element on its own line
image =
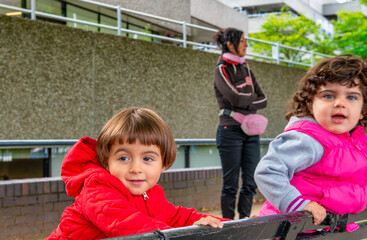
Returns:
<point x="339" y="180"/>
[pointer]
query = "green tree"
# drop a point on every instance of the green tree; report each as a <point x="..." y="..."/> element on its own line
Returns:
<point x="351" y="33"/>
<point x="298" y="32"/>
<point x="364" y="2"/>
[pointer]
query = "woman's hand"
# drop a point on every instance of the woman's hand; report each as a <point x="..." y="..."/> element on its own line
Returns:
<point x="211" y="221"/>
<point x="318" y="212"/>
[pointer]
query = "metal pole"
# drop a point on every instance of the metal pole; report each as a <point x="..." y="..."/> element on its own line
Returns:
<point x="33" y="9"/>
<point x="184" y="37"/>
<point x="47" y="163"/>
<point x="187" y="156"/>
<point x="312" y="58"/>
<point x="118" y="20"/>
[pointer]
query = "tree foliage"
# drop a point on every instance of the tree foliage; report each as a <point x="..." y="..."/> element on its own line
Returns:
<point x="295" y="31"/>
<point x="351" y="33"/>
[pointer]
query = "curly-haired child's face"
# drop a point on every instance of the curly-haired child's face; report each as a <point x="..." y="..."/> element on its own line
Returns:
<point x="337" y="108"/>
<point x="136" y="165"/>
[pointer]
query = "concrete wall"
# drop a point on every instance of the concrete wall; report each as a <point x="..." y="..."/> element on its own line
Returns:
<point x="218" y="14"/>
<point x="58" y="82"/>
<point x="177" y="10"/>
<point x="31" y="208"/>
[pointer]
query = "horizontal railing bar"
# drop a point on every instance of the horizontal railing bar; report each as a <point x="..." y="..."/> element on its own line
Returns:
<point x="293" y="48"/>
<point x="296" y="63"/>
<point x="201" y="27"/>
<point x="36" y="143"/>
<point x="15" y="8"/>
<point x="261" y="41"/>
<point x="69" y="142"/>
<point x="74" y="20"/>
<point x="151" y="16"/>
<point x="151" y="35"/>
<point x="284" y="226"/>
<point x="260" y="56"/>
<point x="100" y="4"/>
<point x="201" y="44"/>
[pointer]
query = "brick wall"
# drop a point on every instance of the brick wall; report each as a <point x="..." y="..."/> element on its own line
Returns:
<point x="31" y="208"/>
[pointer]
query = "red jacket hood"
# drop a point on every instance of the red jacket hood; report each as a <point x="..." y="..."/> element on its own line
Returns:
<point x="79" y="163"/>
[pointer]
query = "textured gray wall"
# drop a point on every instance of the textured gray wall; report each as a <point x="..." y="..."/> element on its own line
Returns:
<point x="58" y="82"/>
<point x="173" y="9"/>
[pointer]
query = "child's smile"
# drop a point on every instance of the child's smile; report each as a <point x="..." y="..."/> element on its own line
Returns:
<point x="136" y="165"/>
<point x="338" y="108"/>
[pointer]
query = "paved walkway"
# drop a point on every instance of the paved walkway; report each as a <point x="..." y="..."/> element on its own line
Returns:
<point x="218" y="213"/>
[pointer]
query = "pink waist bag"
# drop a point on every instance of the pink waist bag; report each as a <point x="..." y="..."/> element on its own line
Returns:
<point x="251" y="124"/>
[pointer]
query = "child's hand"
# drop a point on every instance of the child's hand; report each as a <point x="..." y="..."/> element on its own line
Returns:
<point x="318" y="212"/>
<point x="211" y="221"/>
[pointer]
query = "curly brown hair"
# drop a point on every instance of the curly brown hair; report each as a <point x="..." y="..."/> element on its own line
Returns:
<point x="136" y="123"/>
<point x="345" y="69"/>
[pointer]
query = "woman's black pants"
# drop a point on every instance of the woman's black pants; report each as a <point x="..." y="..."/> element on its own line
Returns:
<point x="237" y="151"/>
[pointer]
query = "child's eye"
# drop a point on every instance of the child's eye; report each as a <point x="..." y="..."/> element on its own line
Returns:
<point x="148" y="159"/>
<point x="328" y="96"/>
<point x="123" y="158"/>
<point x="352" y="98"/>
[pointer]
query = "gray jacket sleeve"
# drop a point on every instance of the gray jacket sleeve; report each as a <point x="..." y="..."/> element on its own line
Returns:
<point x="288" y="153"/>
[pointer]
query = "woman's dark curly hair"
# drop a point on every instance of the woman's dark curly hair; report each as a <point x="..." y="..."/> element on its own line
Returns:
<point x="344" y="69"/>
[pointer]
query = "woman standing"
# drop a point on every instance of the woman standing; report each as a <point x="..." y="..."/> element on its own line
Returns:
<point x="236" y="90"/>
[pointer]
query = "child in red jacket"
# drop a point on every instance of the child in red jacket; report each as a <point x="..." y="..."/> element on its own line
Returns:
<point x="114" y="181"/>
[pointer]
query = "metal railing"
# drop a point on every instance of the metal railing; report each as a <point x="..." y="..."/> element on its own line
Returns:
<point x="275" y="57"/>
<point x="286" y="226"/>
<point x="46" y="143"/>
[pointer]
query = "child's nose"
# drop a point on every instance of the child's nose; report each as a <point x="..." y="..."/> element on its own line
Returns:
<point x="135" y="166"/>
<point x="339" y="102"/>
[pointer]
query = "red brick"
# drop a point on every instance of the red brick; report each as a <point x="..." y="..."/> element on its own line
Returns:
<point x="46" y="187"/>
<point x="25" y="219"/>
<point x="25" y="189"/>
<point x="53" y="186"/>
<point x="47" y="217"/>
<point x="32" y="188"/>
<point x="11" y="211"/>
<point x="65" y="197"/>
<point x="2" y="191"/>
<point x="10" y="190"/>
<point x="31" y="209"/>
<point x="48" y="207"/>
<point x="6" y="221"/>
<point x="61" y="186"/>
<point x="8" y="202"/>
<point x="47" y="198"/>
<point x="17" y="190"/>
<point x="39" y="187"/>
<point x="25" y="200"/>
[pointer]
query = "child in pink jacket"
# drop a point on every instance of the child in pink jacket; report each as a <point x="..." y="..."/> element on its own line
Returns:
<point x="114" y="181"/>
<point x="319" y="163"/>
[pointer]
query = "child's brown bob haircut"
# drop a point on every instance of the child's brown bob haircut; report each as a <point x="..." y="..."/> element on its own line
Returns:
<point x="345" y="69"/>
<point x="133" y="124"/>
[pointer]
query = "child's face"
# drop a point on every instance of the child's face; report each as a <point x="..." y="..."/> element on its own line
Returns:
<point x="338" y="108"/>
<point x="136" y="165"/>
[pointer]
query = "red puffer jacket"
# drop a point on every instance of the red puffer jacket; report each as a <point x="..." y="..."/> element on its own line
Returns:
<point x="104" y="207"/>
